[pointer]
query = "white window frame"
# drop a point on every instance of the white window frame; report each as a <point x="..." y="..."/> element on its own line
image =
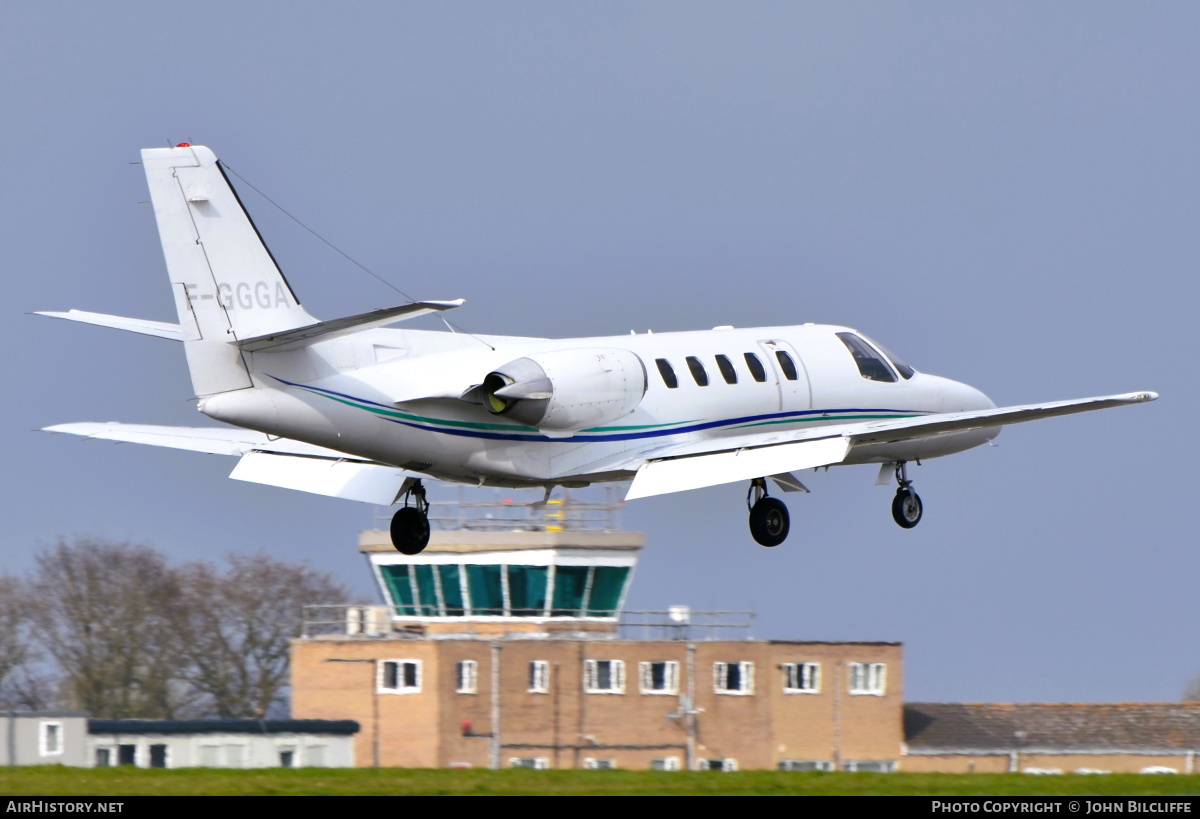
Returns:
<point x="50" y="738"/>
<point x="727" y="764"/>
<point x="806" y="676"/>
<point x="468" y="676"/>
<point x="539" y="763"/>
<point x="805" y="765"/>
<point x="539" y="676"/>
<point x="721" y="678"/>
<point x="868" y="679"/>
<point x="665" y="763"/>
<point x="401" y="686"/>
<point x="616" y="677"/>
<point x="597" y="764"/>
<point x="670" y="677"/>
<point x="873" y="766"/>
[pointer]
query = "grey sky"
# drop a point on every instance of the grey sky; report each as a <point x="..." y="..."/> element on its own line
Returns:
<point x="1003" y="193"/>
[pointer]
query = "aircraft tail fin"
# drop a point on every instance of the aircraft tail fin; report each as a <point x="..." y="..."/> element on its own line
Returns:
<point x="226" y="284"/>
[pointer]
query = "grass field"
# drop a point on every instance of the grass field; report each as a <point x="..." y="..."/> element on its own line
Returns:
<point x="61" y="781"/>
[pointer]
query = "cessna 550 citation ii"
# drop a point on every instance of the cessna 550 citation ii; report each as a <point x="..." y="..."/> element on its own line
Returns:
<point x="350" y="409"/>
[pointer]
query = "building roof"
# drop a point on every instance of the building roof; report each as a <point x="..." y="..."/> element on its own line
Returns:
<point x="222" y="726"/>
<point x="464" y="541"/>
<point x="947" y="728"/>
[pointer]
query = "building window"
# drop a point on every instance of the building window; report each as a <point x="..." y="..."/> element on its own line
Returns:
<point x="468" y="673"/>
<point x="287" y="757"/>
<point x="801" y="678"/>
<point x="538" y="762"/>
<point x="50" y="738"/>
<point x="805" y="765"/>
<point x="868" y="678"/>
<point x="733" y="678"/>
<point x="716" y="765"/>
<point x="660" y="677"/>
<point x="593" y="764"/>
<point x="158" y="755"/>
<point x="665" y="763"/>
<point x="873" y="766"/>
<point x="539" y="676"/>
<point x="400" y="677"/>
<point x="604" y="676"/>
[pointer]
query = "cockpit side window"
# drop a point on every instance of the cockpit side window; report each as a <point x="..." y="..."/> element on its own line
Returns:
<point x="870" y="364"/>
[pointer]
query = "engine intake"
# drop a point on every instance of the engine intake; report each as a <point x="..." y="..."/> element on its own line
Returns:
<point x="567" y="390"/>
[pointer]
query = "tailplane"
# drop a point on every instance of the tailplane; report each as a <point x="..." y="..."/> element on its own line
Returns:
<point x="226" y="284"/>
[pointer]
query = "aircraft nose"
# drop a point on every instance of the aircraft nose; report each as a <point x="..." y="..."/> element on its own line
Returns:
<point x="964" y="398"/>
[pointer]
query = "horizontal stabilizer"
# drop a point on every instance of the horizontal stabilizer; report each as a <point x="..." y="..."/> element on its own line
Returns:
<point x="352" y="480"/>
<point x="213" y="440"/>
<point x="325" y="330"/>
<point x="145" y="327"/>
<point x="693" y="472"/>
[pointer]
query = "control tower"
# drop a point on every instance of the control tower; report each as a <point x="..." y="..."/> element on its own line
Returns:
<point x="497" y="566"/>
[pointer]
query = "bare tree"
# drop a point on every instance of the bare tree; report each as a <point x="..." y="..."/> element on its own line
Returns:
<point x="236" y="627"/>
<point x="105" y="611"/>
<point x="22" y="683"/>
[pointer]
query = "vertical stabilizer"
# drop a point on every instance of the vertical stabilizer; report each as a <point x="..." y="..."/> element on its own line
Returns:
<point x="227" y="286"/>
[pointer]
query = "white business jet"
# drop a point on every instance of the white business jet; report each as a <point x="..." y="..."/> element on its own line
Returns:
<point x="351" y="409"/>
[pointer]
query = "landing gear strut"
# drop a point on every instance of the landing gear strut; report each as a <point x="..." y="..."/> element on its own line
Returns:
<point x="410" y="524"/>
<point x="769" y="521"/>
<point x="906" y="506"/>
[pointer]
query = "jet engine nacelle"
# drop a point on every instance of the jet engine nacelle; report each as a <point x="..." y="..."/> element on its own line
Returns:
<point x="567" y="390"/>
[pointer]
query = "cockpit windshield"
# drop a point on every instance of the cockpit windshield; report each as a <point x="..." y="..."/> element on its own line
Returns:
<point x="871" y="365"/>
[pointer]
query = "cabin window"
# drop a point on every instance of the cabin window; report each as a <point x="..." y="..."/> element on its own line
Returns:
<point x="756" y="367"/>
<point x="727" y="370"/>
<point x="667" y="372"/>
<point x="787" y="365"/>
<point x="698" y="371"/>
<point x="870" y="364"/>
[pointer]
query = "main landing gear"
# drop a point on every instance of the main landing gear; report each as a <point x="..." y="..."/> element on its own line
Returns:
<point x="906" y="506"/>
<point x="769" y="520"/>
<point x="410" y="524"/>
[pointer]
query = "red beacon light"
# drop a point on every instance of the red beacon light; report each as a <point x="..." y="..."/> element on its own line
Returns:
<point x="184" y="145"/>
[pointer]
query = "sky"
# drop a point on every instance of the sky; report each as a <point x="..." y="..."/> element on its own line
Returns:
<point x="1002" y="193"/>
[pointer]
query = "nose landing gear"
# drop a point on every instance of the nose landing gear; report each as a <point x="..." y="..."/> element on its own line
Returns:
<point x="410" y="524"/>
<point x="769" y="521"/>
<point x="906" y="506"/>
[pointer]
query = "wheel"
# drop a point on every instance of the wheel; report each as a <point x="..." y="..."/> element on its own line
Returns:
<point x="410" y="531"/>
<point x="769" y="522"/>
<point x="906" y="508"/>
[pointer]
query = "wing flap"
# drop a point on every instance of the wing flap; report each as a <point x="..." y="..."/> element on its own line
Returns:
<point x="693" y="472"/>
<point x="351" y="480"/>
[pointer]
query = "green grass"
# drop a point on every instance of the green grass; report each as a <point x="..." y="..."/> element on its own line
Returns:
<point x="60" y="781"/>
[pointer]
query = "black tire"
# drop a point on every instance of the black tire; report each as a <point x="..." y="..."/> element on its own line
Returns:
<point x="769" y="522"/>
<point x="907" y="508"/>
<point x="410" y="531"/>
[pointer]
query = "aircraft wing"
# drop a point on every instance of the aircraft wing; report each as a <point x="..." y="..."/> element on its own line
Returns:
<point x="754" y="455"/>
<point x="278" y="462"/>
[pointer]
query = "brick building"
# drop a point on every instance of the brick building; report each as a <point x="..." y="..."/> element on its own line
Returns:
<point x="506" y="643"/>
